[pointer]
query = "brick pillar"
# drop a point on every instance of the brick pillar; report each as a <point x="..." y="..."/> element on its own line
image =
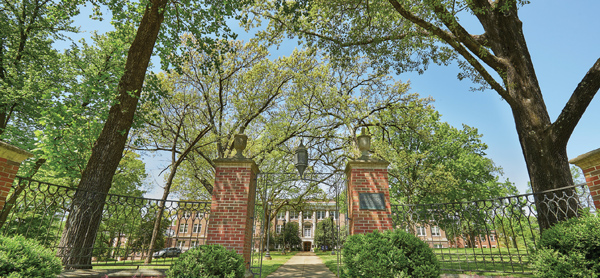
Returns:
<point x="590" y="164"/>
<point x="367" y="178"/>
<point x="232" y="205"/>
<point x="10" y="161"/>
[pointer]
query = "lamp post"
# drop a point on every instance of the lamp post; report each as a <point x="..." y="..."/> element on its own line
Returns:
<point x="283" y="235"/>
<point x="268" y="254"/>
<point x="301" y="159"/>
<point x="333" y="245"/>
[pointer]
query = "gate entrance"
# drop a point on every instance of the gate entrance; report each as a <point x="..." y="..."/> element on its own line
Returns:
<point x="257" y="213"/>
<point x="291" y="208"/>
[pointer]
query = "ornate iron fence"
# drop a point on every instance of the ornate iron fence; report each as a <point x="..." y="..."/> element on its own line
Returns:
<point x="493" y="235"/>
<point x="39" y="210"/>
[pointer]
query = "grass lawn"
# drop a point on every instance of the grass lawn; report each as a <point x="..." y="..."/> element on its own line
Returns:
<point x="486" y="260"/>
<point x="330" y="261"/>
<point x="495" y="261"/>
<point x="278" y="260"/>
<point x="268" y="267"/>
<point x="163" y="263"/>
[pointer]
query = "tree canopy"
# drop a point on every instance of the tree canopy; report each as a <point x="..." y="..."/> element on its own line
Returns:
<point x="433" y="162"/>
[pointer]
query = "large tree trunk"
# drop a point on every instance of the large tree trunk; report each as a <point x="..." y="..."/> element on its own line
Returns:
<point x="543" y="147"/>
<point x="548" y="168"/>
<point x="85" y="214"/>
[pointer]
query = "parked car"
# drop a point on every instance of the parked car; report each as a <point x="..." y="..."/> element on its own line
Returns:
<point x="168" y="252"/>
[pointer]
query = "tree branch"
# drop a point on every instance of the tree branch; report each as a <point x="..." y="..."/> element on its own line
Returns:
<point x="467" y="39"/>
<point x="337" y="41"/>
<point x="564" y="125"/>
<point x="454" y="43"/>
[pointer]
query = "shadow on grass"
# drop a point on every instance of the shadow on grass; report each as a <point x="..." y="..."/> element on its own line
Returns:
<point x="459" y="262"/>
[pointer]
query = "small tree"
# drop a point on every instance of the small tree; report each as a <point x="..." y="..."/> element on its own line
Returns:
<point x="289" y="236"/>
<point x="326" y="235"/>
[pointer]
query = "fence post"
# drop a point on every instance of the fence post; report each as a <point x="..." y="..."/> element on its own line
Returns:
<point x="232" y="204"/>
<point x="369" y="205"/>
<point x="10" y="161"/>
<point x="590" y="164"/>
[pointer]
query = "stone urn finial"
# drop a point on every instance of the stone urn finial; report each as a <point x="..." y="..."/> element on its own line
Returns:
<point x="364" y="144"/>
<point x="239" y="144"/>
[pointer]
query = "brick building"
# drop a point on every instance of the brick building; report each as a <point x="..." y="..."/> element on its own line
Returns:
<point x="307" y="220"/>
<point x="436" y="237"/>
<point x="189" y="230"/>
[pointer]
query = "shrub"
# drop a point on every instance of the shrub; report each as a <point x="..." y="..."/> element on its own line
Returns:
<point x="569" y="249"/>
<point x="389" y="254"/>
<point x="20" y="257"/>
<point x="208" y="261"/>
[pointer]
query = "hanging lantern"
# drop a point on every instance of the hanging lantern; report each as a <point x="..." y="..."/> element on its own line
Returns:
<point x="301" y="159"/>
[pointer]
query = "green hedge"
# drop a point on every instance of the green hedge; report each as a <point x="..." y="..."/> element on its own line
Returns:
<point x="389" y="254"/>
<point x="20" y="257"/>
<point x="569" y="249"/>
<point x="208" y="261"/>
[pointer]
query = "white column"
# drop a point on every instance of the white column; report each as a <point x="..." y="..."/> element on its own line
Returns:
<point x="314" y="221"/>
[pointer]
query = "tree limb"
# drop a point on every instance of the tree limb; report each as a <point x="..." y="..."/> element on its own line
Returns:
<point x="454" y="43"/>
<point x="337" y="41"/>
<point x="564" y="125"/>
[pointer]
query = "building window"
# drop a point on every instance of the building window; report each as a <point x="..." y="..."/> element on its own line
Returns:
<point x="482" y="237"/>
<point x="438" y="246"/>
<point x="435" y="231"/>
<point x="320" y="215"/>
<point x="180" y="243"/>
<point x="194" y="243"/>
<point x="183" y="228"/>
<point x="307" y="215"/>
<point x="421" y="231"/>
<point x="281" y="215"/>
<point x="492" y="238"/>
<point x="278" y="229"/>
<point x="293" y="215"/>
<point x="307" y="231"/>
<point x="334" y="214"/>
<point x="197" y="228"/>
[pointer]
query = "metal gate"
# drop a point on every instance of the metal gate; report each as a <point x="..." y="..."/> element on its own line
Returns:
<point x="275" y="192"/>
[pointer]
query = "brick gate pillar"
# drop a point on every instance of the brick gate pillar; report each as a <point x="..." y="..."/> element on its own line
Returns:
<point x="369" y="206"/>
<point x="590" y="164"/>
<point x="10" y="161"/>
<point x="232" y="206"/>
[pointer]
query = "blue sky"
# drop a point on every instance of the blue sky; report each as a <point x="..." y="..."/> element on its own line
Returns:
<point x="564" y="41"/>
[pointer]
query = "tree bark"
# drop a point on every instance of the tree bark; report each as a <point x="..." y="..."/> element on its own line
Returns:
<point x="79" y="235"/>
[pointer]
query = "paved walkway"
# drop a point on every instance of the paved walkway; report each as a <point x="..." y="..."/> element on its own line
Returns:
<point x="304" y="264"/>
